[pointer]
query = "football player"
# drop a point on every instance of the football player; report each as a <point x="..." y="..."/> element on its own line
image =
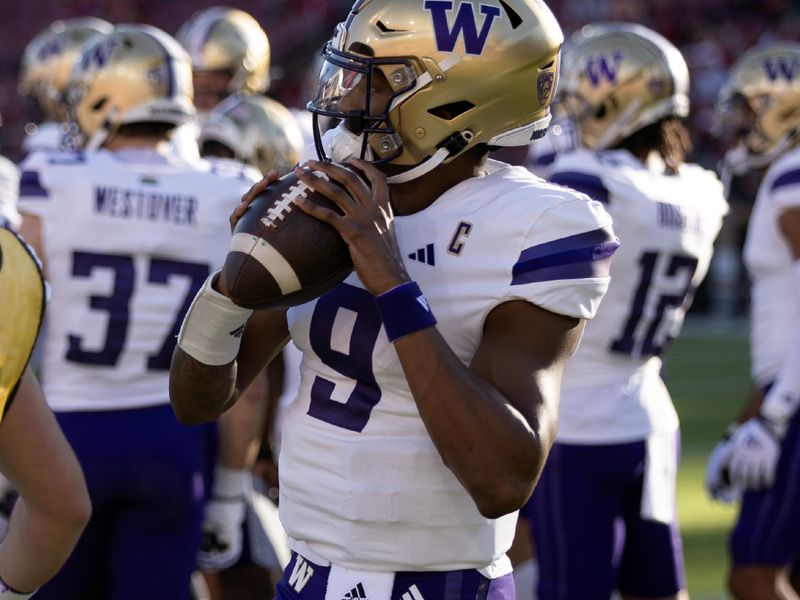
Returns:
<point x="129" y="232"/>
<point x="761" y="454"/>
<point x="53" y="505"/>
<point x="255" y="130"/>
<point x="603" y="514"/>
<point x="45" y="68"/>
<point x="262" y="133"/>
<point x="430" y="376"/>
<point x="230" y="54"/>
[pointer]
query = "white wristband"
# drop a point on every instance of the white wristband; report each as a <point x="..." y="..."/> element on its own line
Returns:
<point x="229" y="484"/>
<point x="212" y="329"/>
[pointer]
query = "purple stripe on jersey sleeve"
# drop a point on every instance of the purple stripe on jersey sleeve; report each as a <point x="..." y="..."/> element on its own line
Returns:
<point x="789" y="178"/>
<point x="30" y="186"/>
<point x="574" y="257"/>
<point x="591" y="185"/>
<point x="545" y="159"/>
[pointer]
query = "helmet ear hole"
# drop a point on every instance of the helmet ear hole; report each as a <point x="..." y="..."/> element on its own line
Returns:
<point x="601" y="111"/>
<point x="448" y="112"/>
<point x="100" y="103"/>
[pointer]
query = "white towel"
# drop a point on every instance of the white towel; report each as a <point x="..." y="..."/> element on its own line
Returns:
<point x="660" y="472"/>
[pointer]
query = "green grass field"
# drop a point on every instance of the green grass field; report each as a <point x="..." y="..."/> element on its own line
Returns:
<point x="707" y="372"/>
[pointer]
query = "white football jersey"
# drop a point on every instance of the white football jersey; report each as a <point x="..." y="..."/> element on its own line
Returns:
<point x="9" y="189"/>
<point x="128" y="239"/>
<point x="44" y="137"/>
<point x="774" y="297"/>
<point x="612" y="390"/>
<point x="362" y="484"/>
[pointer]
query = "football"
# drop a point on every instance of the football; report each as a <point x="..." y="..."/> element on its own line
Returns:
<point x="279" y="256"/>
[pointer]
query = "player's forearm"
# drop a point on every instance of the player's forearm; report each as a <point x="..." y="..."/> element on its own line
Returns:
<point x="491" y="448"/>
<point x="199" y="392"/>
<point x="241" y="427"/>
<point x="37" y="544"/>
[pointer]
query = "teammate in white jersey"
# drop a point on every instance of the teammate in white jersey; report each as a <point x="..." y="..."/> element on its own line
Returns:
<point x="53" y="505"/>
<point x="761" y="455"/>
<point x="603" y="514"/>
<point x="129" y="232"/>
<point x="263" y="135"/>
<point x="230" y="55"/>
<point x="414" y="438"/>
<point x="9" y="190"/>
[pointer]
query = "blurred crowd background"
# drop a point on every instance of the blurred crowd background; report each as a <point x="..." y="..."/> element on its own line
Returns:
<point x="710" y="33"/>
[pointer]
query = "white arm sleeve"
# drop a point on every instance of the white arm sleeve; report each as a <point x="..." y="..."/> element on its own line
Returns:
<point x="783" y="399"/>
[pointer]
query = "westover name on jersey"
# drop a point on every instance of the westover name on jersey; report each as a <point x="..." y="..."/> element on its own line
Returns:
<point x="145" y="205"/>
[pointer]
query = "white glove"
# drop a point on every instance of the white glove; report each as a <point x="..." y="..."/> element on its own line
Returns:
<point x="755" y="453"/>
<point x="718" y="483"/>
<point x="224" y="516"/>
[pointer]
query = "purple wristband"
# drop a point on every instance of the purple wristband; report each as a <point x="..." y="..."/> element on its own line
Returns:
<point x="404" y="310"/>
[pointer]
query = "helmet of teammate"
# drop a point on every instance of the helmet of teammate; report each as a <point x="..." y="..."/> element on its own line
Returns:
<point x="48" y="60"/>
<point x="135" y="74"/>
<point x="759" y="105"/>
<point x="617" y="79"/>
<point x="461" y="74"/>
<point x="258" y="130"/>
<point x="228" y="39"/>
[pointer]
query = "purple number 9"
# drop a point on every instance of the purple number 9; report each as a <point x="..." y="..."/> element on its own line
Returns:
<point x="356" y="364"/>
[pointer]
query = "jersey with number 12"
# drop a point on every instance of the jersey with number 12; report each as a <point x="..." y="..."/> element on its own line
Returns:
<point x="612" y="390"/>
<point x="128" y="239"/>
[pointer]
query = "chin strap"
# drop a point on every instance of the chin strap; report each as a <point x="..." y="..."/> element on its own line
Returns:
<point x="422" y="168"/>
<point x="450" y="147"/>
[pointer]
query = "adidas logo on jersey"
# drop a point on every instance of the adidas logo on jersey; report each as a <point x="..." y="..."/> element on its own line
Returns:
<point x="424" y="255"/>
<point x="413" y="593"/>
<point x="357" y="593"/>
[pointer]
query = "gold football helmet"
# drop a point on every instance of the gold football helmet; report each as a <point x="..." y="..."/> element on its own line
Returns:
<point x="48" y="60"/>
<point x="228" y="39"/>
<point x="759" y="105"/>
<point x="136" y="74"/>
<point x="258" y="130"/>
<point x="461" y="74"/>
<point x="618" y="78"/>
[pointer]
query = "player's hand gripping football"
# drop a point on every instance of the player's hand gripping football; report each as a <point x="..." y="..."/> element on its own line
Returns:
<point x="367" y="223"/>
<point x="251" y="195"/>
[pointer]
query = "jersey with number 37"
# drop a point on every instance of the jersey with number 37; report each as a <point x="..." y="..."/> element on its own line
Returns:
<point x="362" y="484"/>
<point x="128" y="239"/>
<point x="612" y="391"/>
